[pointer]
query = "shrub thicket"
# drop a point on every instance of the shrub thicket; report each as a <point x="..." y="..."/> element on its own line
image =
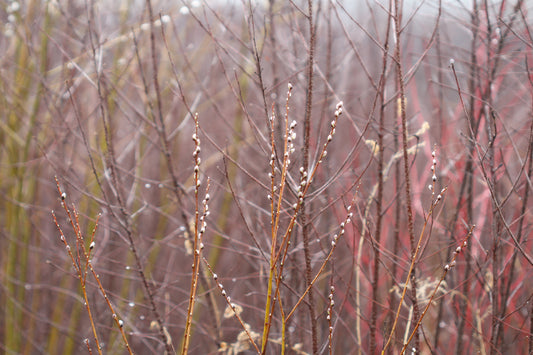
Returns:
<point x="358" y="178"/>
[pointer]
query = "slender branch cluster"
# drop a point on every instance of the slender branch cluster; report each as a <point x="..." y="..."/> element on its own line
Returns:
<point x="82" y="263"/>
<point x="279" y="249"/>
<point x="447" y="268"/>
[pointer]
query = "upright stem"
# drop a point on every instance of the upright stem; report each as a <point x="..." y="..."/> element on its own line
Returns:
<point x="410" y="225"/>
<point x="196" y="243"/>
<point x="307" y="128"/>
<point x="469" y="175"/>
<point x="379" y="199"/>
